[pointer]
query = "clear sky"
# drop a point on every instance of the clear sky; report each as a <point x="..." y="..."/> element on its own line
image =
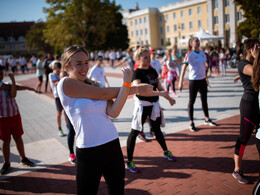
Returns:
<point x="32" y="10"/>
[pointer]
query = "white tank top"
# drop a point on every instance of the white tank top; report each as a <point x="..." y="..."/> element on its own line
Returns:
<point x="92" y="125"/>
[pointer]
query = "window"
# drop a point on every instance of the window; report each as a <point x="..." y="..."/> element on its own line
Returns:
<point x="11" y="39"/>
<point x="135" y="21"/>
<point x="162" y="42"/>
<point x="161" y="30"/>
<point x="174" y="15"/>
<point x="198" y="10"/>
<point x="190" y="12"/>
<point x="136" y="32"/>
<point x="215" y="20"/>
<point x="2" y="40"/>
<point x="190" y="25"/>
<point x="141" y="32"/>
<point x="166" y="17"/>
<point x="215" y="4"/>
<point x="22" y="46"/>
<point x="168" y="29"/>
<point x="175" y="27"/>
<point x="199" y="24"/>
<point x="182" y="26"/>
<point x="160" y="18"/>
<point x="145" y="31"/>
<point x="144" y="19"/>
<point x="227" y="18"/>
<point x="146" y="42"/>
<point x="142" y="42"/>
<point x="239" y="16"/>
<point x="131" y="23"/>
<point x="226" y="3"/>
<point x="132" y="34"/>
<point x="140" y="20"/>
<point x="21" y="39"/>
<point x="175" y="40"/>
<point x="12" y="46"/>
<point x="182" y="13"/>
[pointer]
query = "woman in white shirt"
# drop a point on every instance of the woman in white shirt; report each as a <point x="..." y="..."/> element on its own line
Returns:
<point x="196" y="60"/>
<point x="89" y="107"/>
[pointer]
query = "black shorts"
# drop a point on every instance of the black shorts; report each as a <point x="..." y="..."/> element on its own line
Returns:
<point x="40" y="78"/>
<point x="58" y="104"/>
<point x="33" y="65"/>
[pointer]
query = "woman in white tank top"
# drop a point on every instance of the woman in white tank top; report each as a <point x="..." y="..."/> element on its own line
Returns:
<point x="89" y="107"/>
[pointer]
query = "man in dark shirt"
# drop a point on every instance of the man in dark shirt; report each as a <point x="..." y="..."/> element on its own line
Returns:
<point x="48" y="70"/>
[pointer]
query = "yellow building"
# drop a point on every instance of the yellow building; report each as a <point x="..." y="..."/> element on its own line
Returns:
<point x="224" y="17"/>
<point x="165" y="26"/>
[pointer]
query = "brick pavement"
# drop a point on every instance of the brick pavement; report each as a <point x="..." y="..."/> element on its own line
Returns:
<point x="204" y="166"/>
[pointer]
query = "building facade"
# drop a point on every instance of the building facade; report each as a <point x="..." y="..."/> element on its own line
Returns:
<point x="165" y="26"/>
<point x="12" y="38"/>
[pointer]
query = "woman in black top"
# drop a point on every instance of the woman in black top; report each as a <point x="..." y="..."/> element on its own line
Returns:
<point x="249" y="107"/>
<point x="147" y="107"/>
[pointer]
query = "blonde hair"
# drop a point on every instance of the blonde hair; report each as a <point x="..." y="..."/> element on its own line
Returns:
<point x="140" y="51"/>
<point x="66" y="59"/>
<point x="189" y="42"/>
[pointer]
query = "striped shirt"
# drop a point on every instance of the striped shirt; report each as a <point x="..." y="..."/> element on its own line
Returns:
<point x="8" y="105"/>
<point x="197" y="64"/>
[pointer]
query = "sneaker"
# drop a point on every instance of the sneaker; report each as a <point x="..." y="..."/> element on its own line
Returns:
<point x="61" y="134"/>
<point x="175" y="95"/>
<point x="169" y="156"/>
<point x="142" y="137"/>
<point x="210" y="123"/>
<point x="72" y="159"/>
<point x="27" y="162"/>
<point x="131" y="166"/>
<point x="5" y="168"/>
<point x="152" y="134"/>
<point x="192" y="127"/>
<point x="240" y="177"/>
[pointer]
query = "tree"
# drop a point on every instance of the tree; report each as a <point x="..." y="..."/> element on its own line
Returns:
<point x="90" y="23"/>
<point x="250" y="27"/>
<point x="34" y="38"/>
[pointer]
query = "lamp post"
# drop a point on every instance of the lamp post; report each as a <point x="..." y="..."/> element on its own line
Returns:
<point x="179" y="31"/>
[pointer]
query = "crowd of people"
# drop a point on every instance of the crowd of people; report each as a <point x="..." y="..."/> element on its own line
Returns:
<point x="90" y="102"/>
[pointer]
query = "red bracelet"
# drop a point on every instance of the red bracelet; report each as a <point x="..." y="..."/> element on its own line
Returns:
<point x="126" y="84"/>
<point x="169" y="98"/>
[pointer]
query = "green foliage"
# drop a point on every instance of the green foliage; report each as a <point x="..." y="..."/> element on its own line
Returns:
<point x="34" y="38"/>
<point x="167" y="43"/>
<point x="93" y="24"/>
<point x="250" y="27"/>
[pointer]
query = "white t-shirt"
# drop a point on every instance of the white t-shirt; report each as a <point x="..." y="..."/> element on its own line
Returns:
<point x="197" y="65"/>
<point x="98" y="74"/>
<point x="22" y="61"/>
<point x="156" y="65"/>
<point x="12" y="62"/>
<point x="112" y="55"/>
<point x="92" y="125"/>
<point x="33" y="60"/>
<point x="169" y="67"/>
<point x="54" y="77"/>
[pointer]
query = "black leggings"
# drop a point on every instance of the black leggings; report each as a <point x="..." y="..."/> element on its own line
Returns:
<point x="249" y="113"/>
<point x="147" y="110"/>
<point x="194" y="87"/>
<point x="92" y="163"/>
<point x="71" y="135"/>
<point x="47" y="79"/>
<point x="173" y="85"/>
